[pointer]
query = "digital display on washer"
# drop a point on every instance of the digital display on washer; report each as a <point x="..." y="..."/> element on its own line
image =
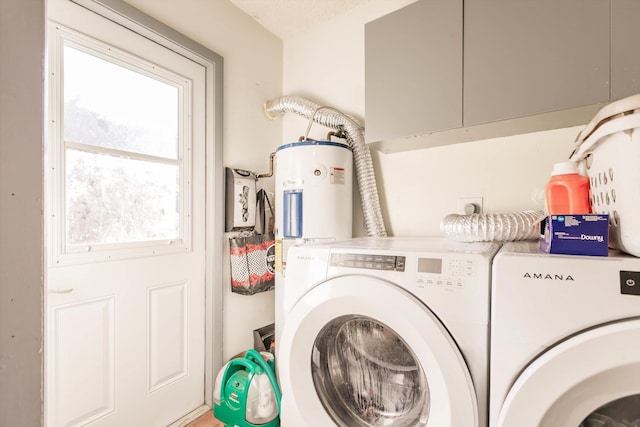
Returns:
<point x="430" y="265"/>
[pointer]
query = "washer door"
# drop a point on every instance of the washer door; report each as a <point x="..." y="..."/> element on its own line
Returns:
<point x="360" y="351"/>
<point x="588" y="380"/>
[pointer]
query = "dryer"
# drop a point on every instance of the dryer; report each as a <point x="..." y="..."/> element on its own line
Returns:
<point x="386" y="332"/>
<point x="565" y="339"/>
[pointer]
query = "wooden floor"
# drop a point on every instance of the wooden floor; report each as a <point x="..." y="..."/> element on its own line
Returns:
<point x="206" y="420"/>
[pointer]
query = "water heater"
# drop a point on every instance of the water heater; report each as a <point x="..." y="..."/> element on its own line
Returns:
<point x="313" y="190"/>
<point x="313" y="202"/>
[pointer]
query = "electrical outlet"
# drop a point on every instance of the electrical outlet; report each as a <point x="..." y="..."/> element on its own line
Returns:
<point x="465" y="203"/>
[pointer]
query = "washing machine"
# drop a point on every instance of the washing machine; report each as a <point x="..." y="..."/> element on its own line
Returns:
<point x="386" y="332"/>
<point x="565" y="339"/>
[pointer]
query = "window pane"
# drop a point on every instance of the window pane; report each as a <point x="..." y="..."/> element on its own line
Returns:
<point x="110" y="106"/>
<point x="113" y="199"/>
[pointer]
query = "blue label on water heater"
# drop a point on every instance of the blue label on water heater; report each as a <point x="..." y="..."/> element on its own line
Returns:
<point x="292" y="213"/>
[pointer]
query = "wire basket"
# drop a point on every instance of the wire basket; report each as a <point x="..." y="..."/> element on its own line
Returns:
<point x="608" y="149"/>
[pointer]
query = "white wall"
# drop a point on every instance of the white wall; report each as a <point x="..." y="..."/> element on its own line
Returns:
<point x="252" y="74"/>
<point x="417" y="188"/>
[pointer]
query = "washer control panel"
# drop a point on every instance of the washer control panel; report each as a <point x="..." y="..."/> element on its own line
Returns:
<point x="449" y="272"/>
<point x="368" y="261"/>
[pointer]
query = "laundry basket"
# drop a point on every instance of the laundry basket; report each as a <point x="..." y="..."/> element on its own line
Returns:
<point x="608" y="148"/>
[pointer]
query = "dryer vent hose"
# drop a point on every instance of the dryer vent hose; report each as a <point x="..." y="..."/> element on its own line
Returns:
<point x="504" y="227"/>
<point x="354" y="133"/>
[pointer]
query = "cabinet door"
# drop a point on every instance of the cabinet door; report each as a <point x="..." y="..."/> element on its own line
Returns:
<point x="413" y="70"/>
<point x="533" y="56"/>
<point x="625" y="61"/>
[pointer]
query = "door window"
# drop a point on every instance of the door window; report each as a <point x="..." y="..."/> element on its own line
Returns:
<point x="623" y="412"/>
<point x="366" y="375"/>
<point x="123" y="164"/>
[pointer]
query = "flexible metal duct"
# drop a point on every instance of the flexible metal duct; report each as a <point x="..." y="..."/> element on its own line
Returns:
<point x="354" y="133"/>
<point x="504" y="227"/>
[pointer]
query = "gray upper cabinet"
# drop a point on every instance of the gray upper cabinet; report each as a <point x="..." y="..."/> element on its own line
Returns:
<point x="534" y="56"/>
<point x="450" y="71"/>
<point x="413" y="70"/>
<point x="625" y="60"/>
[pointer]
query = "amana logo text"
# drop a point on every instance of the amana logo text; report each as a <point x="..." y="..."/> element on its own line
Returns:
<point x="547" y="276"/>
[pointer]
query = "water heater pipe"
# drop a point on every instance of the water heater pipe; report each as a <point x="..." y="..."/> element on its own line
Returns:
<point x="270" y="173"/>
<point x="354" y="133"/>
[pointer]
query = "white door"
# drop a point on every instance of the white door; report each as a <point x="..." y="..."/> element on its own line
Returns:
<point x="591" y="379"/>
<point x="126" y="221"/>
<point x="345" y="359"/>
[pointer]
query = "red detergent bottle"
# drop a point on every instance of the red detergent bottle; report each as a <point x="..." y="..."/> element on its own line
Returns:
<point x="567" y="191"/>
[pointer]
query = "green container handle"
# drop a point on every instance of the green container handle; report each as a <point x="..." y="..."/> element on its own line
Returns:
<point x="259" y="360"/>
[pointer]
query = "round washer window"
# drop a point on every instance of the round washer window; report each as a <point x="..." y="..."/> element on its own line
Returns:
<point x="623" y="412"/>
<point x="366" y="375"/>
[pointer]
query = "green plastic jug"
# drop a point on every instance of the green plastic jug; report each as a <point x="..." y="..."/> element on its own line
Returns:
<point x="249" y="395"/>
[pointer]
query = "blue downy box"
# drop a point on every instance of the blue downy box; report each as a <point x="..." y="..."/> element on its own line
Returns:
<point x="576" y="234"/>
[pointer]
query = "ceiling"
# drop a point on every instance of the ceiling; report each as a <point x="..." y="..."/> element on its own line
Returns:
<point x="285" y="18"/>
